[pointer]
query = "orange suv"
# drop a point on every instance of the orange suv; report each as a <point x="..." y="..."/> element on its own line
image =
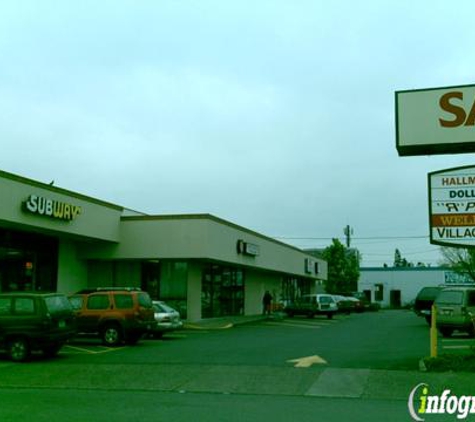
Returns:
<point x="116" y="314"/>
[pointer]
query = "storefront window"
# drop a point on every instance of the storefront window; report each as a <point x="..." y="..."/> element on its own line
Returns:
<point x="28" y="262"/>
<point x="151" y="278"/>
<point x="222" y="291"/>
<point x="173" y="285"/>
<point x="294" y="288"/>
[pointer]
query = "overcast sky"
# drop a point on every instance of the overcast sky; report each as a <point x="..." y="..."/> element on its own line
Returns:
<point x="274" y="115"/>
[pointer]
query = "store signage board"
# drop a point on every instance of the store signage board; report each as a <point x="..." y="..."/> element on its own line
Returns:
<point x="247" y="248"/>
<point x="47" y="207"/>
<point x="435" y="121"/>
<point x="452" y="206"/>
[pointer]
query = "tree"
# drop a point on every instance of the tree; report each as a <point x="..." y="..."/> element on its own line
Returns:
<point x="460" y="260"/>
<point x="399" y="261"/>
<point x="397" y="258"/>
<point x="343" y="268"/>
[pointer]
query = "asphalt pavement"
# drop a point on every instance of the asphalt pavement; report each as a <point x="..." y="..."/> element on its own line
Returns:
<point x="212" y="372"/>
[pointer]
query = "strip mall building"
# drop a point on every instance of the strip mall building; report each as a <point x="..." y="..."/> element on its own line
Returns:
<point x="52" y="239"/>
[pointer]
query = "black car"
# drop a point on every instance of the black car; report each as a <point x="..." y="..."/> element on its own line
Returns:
<point x="424" y="301"/>
<point x="34" y="321"/>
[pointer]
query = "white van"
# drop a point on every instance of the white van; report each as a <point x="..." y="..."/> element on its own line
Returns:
<point x="455" y="310"/>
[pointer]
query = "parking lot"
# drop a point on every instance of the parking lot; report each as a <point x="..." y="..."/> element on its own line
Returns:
<point x="385" y="339"/>
<point x="388" y="339"/>
<point x="372" y="357"/>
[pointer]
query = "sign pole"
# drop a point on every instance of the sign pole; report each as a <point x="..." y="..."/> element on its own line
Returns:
<point x="433" y="332"/>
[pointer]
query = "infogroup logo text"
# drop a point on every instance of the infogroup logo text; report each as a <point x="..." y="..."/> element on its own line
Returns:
<point x="420" y="403"/>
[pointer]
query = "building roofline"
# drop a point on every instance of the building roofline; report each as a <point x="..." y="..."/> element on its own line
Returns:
<point x="35" y="183"/>
<point x="205" y="216"/>
<point x="391" y="269"/>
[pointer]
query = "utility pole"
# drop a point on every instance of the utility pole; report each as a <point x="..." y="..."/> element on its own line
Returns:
<point x="348" y="231"/>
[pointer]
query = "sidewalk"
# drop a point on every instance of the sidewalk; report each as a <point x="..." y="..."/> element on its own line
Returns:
<point x="387" y="384"/>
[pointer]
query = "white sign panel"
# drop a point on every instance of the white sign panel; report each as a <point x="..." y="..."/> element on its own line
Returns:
<point x="452" y="206"/>
<point x="435" y="121"/>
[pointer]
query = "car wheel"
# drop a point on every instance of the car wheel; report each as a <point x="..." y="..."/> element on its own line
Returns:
<point x="19" y="349"/>
<point x="112" y="335"/>
<point x="330" y="315"/>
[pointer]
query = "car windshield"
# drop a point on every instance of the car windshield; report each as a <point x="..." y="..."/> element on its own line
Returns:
<point x="428" y="293"/>
<point x="450" y="298"/>
<point x="57" y="303"/>
<point x="325" y="299"/>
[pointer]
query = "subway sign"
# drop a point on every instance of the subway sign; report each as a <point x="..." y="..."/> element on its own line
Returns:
<point x="452" y="206"/>
<point x="435" y="121"/>
<point x="51" y="208"/>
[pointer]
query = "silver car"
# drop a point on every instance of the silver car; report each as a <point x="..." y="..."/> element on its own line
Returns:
<point x="167" y="318"/>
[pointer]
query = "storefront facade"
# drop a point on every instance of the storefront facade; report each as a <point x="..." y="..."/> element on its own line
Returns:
<point x="57" y="240"/>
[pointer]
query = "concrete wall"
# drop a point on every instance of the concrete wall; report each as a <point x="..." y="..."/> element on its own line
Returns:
<point x="202" y="237"/>
<point x="256" y="283"/>
<point x="72" y="271"/>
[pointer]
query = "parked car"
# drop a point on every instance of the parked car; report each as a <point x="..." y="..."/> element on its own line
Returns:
<point x="345" y="305"/>
<point x="358" y="305"/>
<point x="424" y="301"/>
<point x="34" y="322"/>
<point x="366" y="303"/>
<point x="167" y="318"/>
<point x="115" y="314"/>
<point x="313" y="304"/>
<point x="455" y="310"/>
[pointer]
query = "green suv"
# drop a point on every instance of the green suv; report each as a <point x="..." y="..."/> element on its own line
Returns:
<point x="456" y="310"/>
<point x="34" y="321"/>
<point x="115" y="314"/>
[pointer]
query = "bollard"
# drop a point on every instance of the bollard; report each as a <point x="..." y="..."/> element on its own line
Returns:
<point x="433" y="332"/>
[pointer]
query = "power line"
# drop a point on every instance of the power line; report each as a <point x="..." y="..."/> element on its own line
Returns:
<point x="354" y="238"/>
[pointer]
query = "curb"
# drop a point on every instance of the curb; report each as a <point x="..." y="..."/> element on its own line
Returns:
<point x="208" y="327"/>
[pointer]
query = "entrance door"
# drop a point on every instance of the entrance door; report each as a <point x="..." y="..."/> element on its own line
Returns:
<point x="222" y="291"/>
<point x="395" y="298"/>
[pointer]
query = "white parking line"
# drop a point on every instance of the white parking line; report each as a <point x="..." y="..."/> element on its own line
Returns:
<point x="83" y="350"/>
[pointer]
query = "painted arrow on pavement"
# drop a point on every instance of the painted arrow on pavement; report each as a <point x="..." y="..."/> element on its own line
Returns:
<point x="308" y="361"/>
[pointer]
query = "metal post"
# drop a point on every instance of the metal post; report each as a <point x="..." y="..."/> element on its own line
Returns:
<point x="433" y="332"/>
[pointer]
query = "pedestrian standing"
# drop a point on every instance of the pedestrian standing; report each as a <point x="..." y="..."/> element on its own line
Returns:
<point x="266" y="303"/>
